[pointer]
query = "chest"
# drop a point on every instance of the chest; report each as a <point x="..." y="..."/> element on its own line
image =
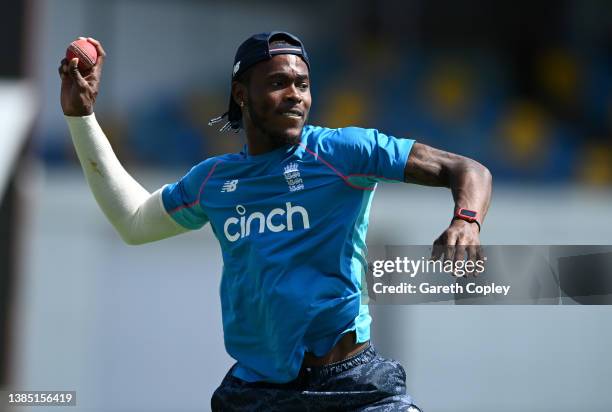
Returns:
<point x="255" y="201"/>
<point x="267" y="185"/>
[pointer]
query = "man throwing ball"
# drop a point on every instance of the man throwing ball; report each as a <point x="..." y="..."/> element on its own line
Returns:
<point x="291" y="213"/>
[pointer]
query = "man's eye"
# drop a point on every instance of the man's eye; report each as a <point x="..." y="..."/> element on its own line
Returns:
<point x="277" y="84"/>
<point x="303" y="86"/>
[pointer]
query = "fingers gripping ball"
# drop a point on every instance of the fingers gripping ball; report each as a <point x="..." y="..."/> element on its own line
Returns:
<point x="85" y="52"/>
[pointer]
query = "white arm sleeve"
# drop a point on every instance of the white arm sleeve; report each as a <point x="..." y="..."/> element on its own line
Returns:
<point x="137" y="215"/>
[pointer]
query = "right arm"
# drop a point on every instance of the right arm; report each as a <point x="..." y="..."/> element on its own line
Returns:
<point x="137" y="215"/>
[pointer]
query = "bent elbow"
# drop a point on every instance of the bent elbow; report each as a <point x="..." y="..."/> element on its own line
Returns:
<point x="128" y="231"/>
<point x="479" y="169"/>
<point x="488" y="176"/>
<point x="128" y="234"/>
<point x="130" y="239"/>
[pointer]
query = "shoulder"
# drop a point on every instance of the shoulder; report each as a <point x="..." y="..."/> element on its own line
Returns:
<point x="202" y="169"/>
<point x="338" y="140"/>
<point x="192" y="182"/>
<point x="339" y="133"/>
<point x="210" y="164"/>
<point x="325" y="136"/>
<point x="200" y="172"/>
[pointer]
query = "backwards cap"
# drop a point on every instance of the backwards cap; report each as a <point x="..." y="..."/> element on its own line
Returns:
<point x="253" y="50"/>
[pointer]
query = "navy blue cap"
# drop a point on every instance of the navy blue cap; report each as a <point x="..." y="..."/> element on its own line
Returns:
<point x="253" y="50"/>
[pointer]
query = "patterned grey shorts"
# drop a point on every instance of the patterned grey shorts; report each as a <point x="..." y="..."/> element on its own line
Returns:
<point x="363" y="382"/>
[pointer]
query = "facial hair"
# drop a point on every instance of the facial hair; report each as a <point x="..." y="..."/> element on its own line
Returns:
<point x="278" y="139"/>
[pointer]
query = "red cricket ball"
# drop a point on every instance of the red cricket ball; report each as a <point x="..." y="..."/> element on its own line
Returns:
<point x="85" y="52"/>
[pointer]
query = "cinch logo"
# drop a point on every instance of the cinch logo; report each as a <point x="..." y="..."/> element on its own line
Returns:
<point x="278" y="220"/>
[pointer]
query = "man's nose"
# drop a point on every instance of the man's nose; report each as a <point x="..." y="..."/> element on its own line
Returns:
<point x="293" y="94"/>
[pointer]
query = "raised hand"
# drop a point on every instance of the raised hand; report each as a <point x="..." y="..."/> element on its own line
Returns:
<point x="79" y="90"/>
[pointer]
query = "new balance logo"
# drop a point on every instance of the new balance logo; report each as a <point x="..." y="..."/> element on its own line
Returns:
<point x="229" y="186"/>
<point x="277" y="220"/>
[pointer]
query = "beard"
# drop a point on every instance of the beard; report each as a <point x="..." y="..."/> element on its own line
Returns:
<point x="278" y="138"/>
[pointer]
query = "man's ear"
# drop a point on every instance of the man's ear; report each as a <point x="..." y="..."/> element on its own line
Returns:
<point x="239" y="92"/>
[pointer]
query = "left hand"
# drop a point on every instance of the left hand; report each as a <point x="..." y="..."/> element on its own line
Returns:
<point x="460" y="240"/>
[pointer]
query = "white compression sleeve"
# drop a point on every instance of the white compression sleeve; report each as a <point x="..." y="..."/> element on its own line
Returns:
<point x="137" y="215"/>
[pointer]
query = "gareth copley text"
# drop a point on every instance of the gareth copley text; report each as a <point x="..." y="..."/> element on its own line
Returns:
<point x="426" y="288"/>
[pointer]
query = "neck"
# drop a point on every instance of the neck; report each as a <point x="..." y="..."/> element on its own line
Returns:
<point x="260" y="142"/>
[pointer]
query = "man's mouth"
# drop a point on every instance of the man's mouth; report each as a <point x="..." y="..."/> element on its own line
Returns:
<point x="293" y="113"/>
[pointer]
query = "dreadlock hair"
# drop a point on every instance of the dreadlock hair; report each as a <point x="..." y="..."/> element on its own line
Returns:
<point x="234" y="125"/>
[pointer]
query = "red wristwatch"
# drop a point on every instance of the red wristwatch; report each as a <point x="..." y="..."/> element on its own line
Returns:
<point x="467" y="215"/>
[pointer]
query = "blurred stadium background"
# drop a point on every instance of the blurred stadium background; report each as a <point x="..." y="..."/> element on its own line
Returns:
<point x="523" y="87"/>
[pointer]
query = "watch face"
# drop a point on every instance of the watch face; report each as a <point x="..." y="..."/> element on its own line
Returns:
<point x="468" y="213"/>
